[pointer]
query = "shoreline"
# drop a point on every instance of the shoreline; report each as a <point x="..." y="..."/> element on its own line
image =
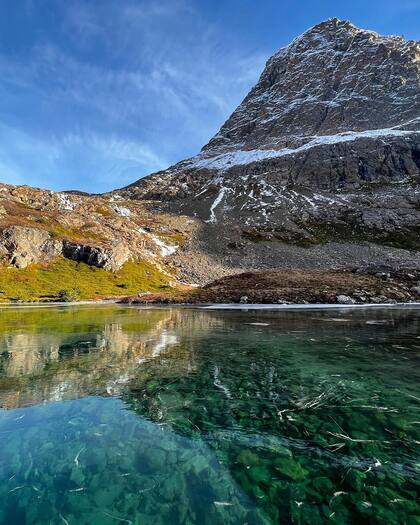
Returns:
<point x="315" y="306"/>
<point x="218" y="306"/>
<point x="52" y="304"/>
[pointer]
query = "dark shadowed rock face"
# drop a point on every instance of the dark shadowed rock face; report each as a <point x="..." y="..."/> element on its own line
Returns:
<point x="325" y="146"/>
<point x="111" y="259"/>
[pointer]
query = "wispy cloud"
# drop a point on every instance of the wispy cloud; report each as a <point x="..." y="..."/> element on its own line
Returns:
<point x="89" y="161"/>
<point x="135" y="85"/>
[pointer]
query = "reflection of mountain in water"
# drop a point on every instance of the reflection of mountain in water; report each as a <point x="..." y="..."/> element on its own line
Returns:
<point x="41" y="362"/>
<point x="277" y="410"/>
<point x="64" y="353"/>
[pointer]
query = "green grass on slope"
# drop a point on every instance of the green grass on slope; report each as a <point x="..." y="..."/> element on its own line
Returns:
<point x="68" y="280"/>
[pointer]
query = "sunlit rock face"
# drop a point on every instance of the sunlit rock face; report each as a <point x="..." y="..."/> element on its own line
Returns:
<point x="333" y="79"/>
<point x="325" y="147"/>
<point x="37" y="226"/>
<point x="22" y="246"/>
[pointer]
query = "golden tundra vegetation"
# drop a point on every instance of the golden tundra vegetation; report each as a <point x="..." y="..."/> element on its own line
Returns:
<point x="66" y="280"/>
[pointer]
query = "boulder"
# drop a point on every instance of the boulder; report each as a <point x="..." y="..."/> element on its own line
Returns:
<point x="111" y="259"/>
<point x="22" y="246"/>
<point x="345" y="299"/>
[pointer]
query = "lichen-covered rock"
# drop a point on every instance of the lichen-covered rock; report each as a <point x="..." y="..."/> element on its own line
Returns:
<point x="22" y="246"/>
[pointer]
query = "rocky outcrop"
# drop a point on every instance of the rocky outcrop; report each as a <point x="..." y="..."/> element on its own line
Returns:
<point x="22" y="246"/>
<point x="37" y="226"/>
<point x="111" y="259"/>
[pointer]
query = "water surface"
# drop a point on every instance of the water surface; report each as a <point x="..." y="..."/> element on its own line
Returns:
<point x="185" y="416"/>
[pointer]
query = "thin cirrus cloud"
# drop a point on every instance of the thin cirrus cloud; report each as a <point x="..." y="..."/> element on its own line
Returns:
<point x="112" y="95"/>
<point x="50" y="163"/>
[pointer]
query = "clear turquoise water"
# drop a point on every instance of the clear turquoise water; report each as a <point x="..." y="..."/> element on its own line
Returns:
<point x="183" y="416"/>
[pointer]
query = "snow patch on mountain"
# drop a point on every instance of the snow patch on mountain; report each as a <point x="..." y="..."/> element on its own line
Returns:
<point x="165" y="249"/>
<point x="237" y="158"/>
<point x="216" y="203"/>
<point x="124" y="212"/>
<point x="65" y="202"/>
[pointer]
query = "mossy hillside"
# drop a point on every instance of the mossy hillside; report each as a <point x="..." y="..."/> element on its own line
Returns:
<point x="57" y="231"/>
<point x="68" y="280"/>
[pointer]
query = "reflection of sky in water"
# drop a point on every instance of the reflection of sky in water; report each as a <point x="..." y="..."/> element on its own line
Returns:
<point x="174" y="416"/>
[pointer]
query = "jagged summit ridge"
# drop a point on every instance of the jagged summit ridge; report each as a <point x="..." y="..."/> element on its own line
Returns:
<point x="336" y="28"/>
<point x="332" y="79"/>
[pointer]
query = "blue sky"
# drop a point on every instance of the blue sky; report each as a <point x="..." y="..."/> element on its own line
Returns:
<point x="95" y="94"/>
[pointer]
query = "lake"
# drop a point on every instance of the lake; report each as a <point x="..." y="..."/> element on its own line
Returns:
<point x="114" y="414"/>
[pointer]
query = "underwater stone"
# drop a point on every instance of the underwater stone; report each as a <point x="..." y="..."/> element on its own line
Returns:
<point x="290" y="469"/>
<point x="172" y="487"/>
<point x="156" y="458"/>
<point x="356" y="480"/>
<point x="322" y="485"/>
<point x="259" y="474"/>
<point x="199" y="464"/>
<point x="248" y="458"/>
<point x="77" y="476"/>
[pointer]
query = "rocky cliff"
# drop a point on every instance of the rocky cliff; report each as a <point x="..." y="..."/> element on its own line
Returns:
<point x="324" y="149"/>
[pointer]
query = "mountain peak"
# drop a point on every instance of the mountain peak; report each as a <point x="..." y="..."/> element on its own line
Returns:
<point x="337" y="27"/>
<point x="331" y="79"/>
<point x="334" y="24"/>
<point x="325" y="146"/>
<point x="335" y="32"/>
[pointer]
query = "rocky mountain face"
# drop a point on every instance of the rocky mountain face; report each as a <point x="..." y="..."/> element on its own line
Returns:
<point x="317" y="169"/>
<point x="320" y="164"/>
